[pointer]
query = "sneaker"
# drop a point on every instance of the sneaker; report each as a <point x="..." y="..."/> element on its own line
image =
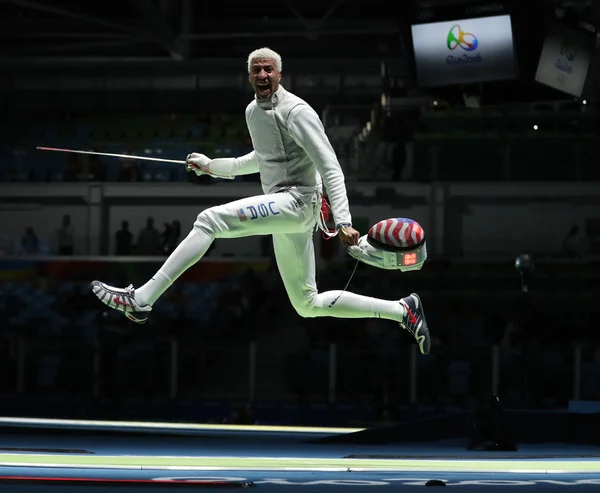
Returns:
<point x="415" y="323"/>
<point x="123" y="300"/>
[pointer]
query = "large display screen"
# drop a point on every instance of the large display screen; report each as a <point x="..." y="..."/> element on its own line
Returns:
<point x="565" y="59"/>
<point x="464" y="51"/>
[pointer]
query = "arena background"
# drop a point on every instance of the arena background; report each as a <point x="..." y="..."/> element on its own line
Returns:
<point x="497" y="163"/>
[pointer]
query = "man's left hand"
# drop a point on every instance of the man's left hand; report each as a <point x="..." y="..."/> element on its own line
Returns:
<point x="348" y="236"/>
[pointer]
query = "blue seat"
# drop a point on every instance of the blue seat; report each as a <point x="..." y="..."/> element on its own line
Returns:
<point x="44" y="133"/>
<point x="542" y="159"/>
<point x="6" y="163"/>
<point x="112" y="168"/>
<point x="57" y="171"/>
<point x="83" y="131"/>
<point x="21" y="170"/>
<point x="590" y="167"/>
<point x="197" y="131"/>
<point x="161" y="171"/>
<point x="225" y="149"/>
<point x="145" y="171"/>
<point x="478" y="159"/>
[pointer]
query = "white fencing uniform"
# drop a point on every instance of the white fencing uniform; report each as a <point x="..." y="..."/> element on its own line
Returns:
<point x="295" y="159"/>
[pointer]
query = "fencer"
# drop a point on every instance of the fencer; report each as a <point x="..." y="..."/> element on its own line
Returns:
<point x="296" y="163"/>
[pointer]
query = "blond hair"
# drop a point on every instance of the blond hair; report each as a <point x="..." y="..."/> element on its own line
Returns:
<point x="265" y="53"/>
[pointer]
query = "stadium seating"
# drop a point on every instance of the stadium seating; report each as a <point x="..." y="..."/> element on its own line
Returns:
<point x="510" y="144"/>
<point x="518" y="144"/>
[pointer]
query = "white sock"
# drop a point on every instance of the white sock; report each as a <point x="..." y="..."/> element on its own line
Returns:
<point x="187" y="253"/>
<point x="343" y="304"/>
<point x="153" y="289"/>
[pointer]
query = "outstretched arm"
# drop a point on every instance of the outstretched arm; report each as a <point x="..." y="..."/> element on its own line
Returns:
<point x="223" y="167"/>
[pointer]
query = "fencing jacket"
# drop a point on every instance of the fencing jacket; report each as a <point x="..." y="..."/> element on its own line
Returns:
<point x="291" y="149"/>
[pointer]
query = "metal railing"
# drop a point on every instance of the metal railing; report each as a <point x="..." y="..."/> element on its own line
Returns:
<point x="345" y="375"/>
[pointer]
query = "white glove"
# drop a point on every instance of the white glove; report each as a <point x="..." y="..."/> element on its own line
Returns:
<point x="198" y="163"/>
<point x="382" y="259"/>
<point x="370" y="255"/>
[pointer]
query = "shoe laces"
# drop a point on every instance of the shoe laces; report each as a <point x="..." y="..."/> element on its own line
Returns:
<point x="407" y="328"/>
<point x="404" y="323"/>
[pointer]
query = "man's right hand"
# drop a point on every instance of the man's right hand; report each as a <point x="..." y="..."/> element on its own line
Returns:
<point x="197" y="163"/>
<point x="348" y="236"/>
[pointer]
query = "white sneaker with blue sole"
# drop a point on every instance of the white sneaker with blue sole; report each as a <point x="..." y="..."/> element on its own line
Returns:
<point x="122" y="300"/>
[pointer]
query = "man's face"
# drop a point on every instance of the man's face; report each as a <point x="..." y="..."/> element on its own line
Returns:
<point x="264" y="77"/>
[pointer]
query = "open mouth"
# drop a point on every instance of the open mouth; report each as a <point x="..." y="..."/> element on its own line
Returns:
<point x="263" y="89"/>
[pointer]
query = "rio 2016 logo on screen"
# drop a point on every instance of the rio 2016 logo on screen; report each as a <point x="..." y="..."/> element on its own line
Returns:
<point x="457" y="37"/>
<point x="567" y="51"/>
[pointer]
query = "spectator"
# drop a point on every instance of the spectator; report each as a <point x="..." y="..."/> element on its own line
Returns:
<point x="148" y="242"/>
<point x="6" y="245"/>
<point x="128" y="169"/>
<point x="29" y="244"/>
<point x="65" y="237"/>
<point x="123" y="240"/>
<point x="171" y="236"/>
